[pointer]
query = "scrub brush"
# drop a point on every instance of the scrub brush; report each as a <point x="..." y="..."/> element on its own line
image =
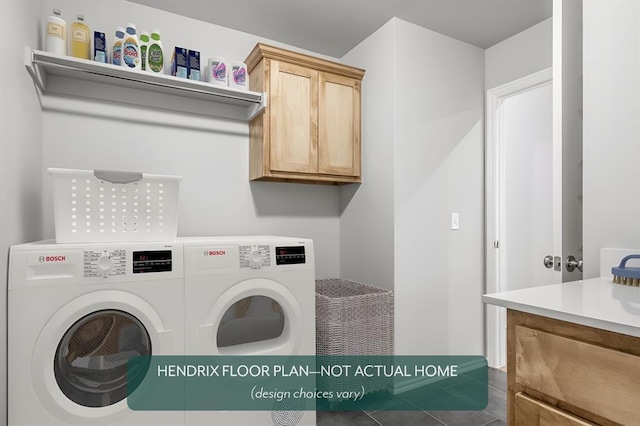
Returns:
<point x="626" y="275"/>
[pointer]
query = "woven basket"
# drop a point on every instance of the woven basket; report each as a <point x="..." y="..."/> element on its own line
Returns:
<point x="353" y="319"/>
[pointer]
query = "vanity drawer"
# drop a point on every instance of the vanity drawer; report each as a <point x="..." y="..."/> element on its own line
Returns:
<point x="603" y="381"/>
<point x="531" y="412"/>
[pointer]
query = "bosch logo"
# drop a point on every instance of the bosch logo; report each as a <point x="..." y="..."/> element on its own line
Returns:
<point x="215" y="253"/>
<point x="44" y="259"/>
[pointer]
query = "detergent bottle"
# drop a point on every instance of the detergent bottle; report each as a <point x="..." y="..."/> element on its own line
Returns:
<point x="155" y="54"/>
<point x="131" y="49"/>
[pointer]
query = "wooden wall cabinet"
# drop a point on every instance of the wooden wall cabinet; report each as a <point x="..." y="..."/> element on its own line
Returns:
<point x="561" y="373"/>
<point x="310" y="130"/>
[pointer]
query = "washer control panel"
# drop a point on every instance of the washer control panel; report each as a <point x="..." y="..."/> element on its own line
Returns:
<point x="105" y="263"/>
<point x="152" y="261"/>
<point x="110" y="263"/>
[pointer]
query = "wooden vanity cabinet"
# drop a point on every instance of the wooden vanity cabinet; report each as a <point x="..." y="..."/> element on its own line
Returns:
<point x="562" y="373"/>
<point x="310" y="130"/>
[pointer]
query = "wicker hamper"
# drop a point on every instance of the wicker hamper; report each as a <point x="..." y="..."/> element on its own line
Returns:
<point x="353" y="318"/>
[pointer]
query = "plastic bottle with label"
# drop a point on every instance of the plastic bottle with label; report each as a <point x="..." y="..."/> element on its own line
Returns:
<point x="217" y="71"/>
<point x="144" y="46"/>
<point x="80" y="40"/>
<point x="238" y="76"/>
<point x="116" y="51"/>
<point x="155" y="54"/>
<point x="131" y="49"/>
<point x="56" y="41"/>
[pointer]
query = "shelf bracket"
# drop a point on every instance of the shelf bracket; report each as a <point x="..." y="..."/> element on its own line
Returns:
<point x="33" y="70"/>
<point x="256" y="109"/>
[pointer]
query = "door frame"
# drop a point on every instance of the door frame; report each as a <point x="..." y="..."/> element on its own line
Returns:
<point x="494" y="206"/>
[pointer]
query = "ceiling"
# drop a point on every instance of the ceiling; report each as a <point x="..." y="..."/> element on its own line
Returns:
<point x="334" y="27"/>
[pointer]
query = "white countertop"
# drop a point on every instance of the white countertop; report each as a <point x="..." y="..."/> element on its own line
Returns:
<point x="596" y="302"/>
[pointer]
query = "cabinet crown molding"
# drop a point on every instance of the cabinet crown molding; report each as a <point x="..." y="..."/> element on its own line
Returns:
<point x="261" y="51"/>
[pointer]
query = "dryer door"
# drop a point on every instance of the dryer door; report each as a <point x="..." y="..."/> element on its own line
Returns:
<point x="79" y="365"/>
<point x="257" y="316"/>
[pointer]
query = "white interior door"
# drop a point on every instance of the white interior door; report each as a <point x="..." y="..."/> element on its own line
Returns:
<point x="534" y="175"/>
<point x="526" y="188"/>
<point x="521" y="224"/>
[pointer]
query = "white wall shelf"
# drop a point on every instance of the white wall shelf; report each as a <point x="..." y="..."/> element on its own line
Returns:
<point x="44" y="65"/>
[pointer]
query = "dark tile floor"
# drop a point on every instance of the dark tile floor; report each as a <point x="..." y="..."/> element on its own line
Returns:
<point x="495" y="414"/>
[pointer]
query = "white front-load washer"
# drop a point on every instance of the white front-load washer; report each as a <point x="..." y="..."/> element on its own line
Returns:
<point x="249" y="296"/>
<point x="76" y="314"/>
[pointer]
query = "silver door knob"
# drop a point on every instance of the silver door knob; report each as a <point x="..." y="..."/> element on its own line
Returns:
<point x="572" y="264"/>
<point x="548" y="261"/>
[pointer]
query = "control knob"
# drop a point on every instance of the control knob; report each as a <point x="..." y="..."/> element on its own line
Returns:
<point x="255" y="258"/>
<point x="105" y="264"/>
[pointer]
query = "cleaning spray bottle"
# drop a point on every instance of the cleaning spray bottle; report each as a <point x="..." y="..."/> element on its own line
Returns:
<point x="56" y="41"/>
<point x="80" y="41"/>
<point x="116" y="51"/>
<point x="155" y="54"/>
<point x="131" y="49"/>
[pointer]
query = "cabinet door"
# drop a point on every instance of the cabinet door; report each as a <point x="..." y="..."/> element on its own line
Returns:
<point x="339" y="128"/>
<point x="603" y="381"/>
<point x="294" y="118"/>
<point x="531" y="412"/>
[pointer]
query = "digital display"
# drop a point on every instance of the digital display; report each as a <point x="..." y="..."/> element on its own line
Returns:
<point x="290" y="255"/>
<point x="151" y="261"/>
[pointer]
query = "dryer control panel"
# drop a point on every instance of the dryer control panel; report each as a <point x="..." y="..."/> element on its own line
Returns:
<point x="290" y="255"/>
<point x="259" y="256"/>
<point x="255" y="256"/>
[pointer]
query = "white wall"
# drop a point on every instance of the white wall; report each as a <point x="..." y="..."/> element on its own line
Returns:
<point x="520" y="55"/>
<point x="20" y="151"/>
<point x="210" y="154"/>
<point x="611" y="135"/>
<point x="438" y="166"/>
<point x="366" y="225"/>
<point x="429" y="89"/>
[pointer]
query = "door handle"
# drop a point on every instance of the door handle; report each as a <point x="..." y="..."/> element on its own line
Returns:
<point x="572" y="264"/>
<point x="548" y="261"/>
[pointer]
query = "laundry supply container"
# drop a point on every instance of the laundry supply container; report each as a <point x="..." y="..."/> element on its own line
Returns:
<point x="113" y="206"/>
<point x="353" y="318"/>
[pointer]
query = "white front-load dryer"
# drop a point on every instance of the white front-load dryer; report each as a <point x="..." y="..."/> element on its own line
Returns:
<point x="249" y="296"/>
<point x="76" y="314"/>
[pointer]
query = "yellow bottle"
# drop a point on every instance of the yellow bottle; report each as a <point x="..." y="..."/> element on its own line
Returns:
<point x="80" y="41"/>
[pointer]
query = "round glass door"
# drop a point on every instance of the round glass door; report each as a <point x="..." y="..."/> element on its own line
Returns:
<point x="90" y="363"/>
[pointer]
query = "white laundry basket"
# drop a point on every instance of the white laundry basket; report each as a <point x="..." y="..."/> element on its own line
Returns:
<point x="113" y="206"/>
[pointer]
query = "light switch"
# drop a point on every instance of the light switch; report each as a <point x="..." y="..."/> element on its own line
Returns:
<point x="455" y="221"/>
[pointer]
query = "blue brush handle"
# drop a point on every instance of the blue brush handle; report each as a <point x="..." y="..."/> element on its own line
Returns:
<point x="623" y="262"/>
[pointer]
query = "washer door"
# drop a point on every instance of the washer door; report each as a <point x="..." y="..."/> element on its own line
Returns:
<point x="90" y="364"/>
<point x="79" y="363"/>
<point x="256" y="316"/>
